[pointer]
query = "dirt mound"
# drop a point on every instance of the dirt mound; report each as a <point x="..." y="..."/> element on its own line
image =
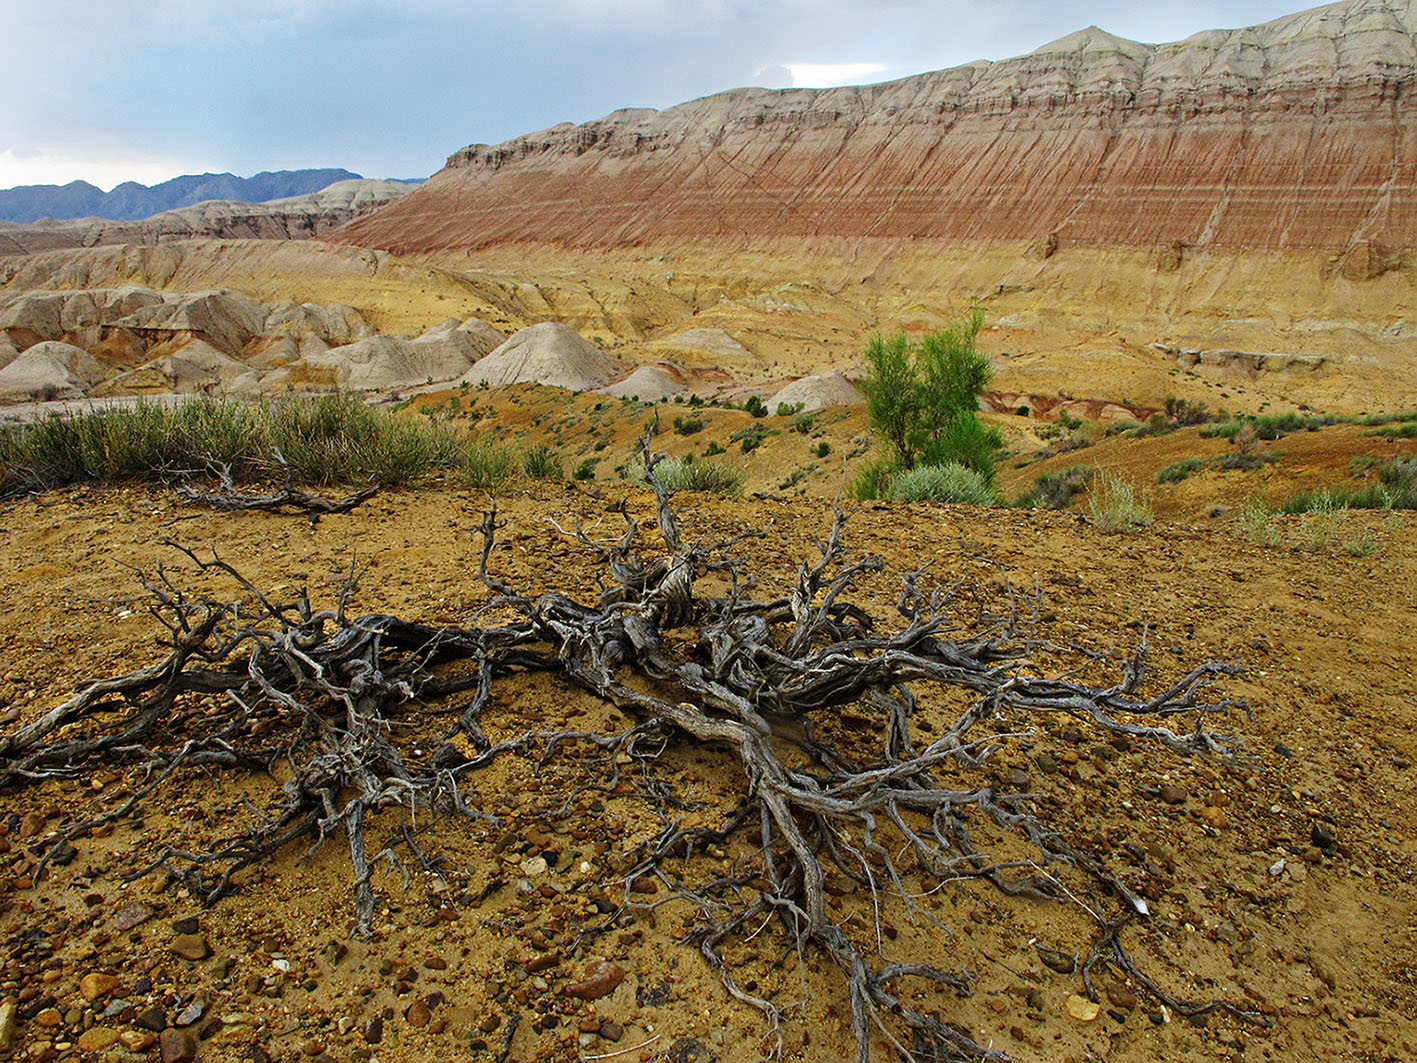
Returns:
<point x="49" y="370"/>
<point x="548" y="353"/>
<point x="823" y="389"/>
<point x="649" y="383"/>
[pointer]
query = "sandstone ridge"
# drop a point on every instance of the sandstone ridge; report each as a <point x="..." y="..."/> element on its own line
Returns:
<point x="1291" y="135"/>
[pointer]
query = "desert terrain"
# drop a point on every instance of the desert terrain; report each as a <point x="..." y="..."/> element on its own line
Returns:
<point x="1164" y="240"/>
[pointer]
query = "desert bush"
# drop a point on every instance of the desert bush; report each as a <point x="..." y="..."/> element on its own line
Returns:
<point x="943" y="483"/>
<point x="1179" y="470"/>
<point x="542" y="463"/>
<point x="752" y="437"/>
<point x="756" y="406"/>
<point x="822" y="449"/>
<point x="332" y="439"/>
<point x="685" y="474"/>
<point x="787" y="409"/>
<point x="585" y="470"/>
<point x="713" y="448"/>
<point x="1117" y="506"/>
<point x="487" y="466"/>
<point x="1258" y="524"/>
<point x="1056" y="489"/>
<point x="873" y="482"/>
<point x="687" y="426"/>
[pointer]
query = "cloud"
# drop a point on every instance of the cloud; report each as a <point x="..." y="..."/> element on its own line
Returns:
<point x="829" y="75"/>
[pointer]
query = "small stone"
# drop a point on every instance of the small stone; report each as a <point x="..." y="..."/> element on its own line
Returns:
<point x="544" y="962"/>
<point x="436" y="963"/>
<point x="601" y="979"/>
<point x="153" y="1018"/>
<point x="63" y="854"/>
<point x="1057" y="961"/>
<point x="1173" y="794"/>
<point x="534" y="866"/>
<point x="612" y="1031"/>
<point x="1120" y="996"/>
<point x="96" y="1038"/>
<point x="1082" y="1009"/>
<point x="549" y="1022"/>
<point x="1214" y="817"/>
<point x="645" y="884"/>
<point x="374" y="1030"/>
<point x="1047" y="763"/>
<point x="1321" y="837"/>
<point x="49" y="1018"/>
<point x="1017" y="778"/>
<point x="314" y="1048"/>
<point x="177" y="1046"/>
<point x="7" y="1024"/>
<point x="137" y="1040"/>
<point x="191" y="947"/>
<point x="31" y="824"/>
<point x="96" y="985"/>
<point x="490" y="1024"/>
<point x="191" y="1013"/>
<point x="418" y="1014"/>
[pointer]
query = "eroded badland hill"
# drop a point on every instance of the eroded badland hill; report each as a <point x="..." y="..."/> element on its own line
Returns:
<point x="569" y="813"/>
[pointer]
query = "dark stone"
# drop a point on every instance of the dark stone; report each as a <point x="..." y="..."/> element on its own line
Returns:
<point x="374" y="1030"/>
<point x="152" y="1018"/>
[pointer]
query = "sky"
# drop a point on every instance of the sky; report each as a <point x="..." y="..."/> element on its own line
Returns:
<point x="146" y="90"/>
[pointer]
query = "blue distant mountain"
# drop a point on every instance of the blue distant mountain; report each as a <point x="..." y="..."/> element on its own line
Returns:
<point x="131" y="201"/>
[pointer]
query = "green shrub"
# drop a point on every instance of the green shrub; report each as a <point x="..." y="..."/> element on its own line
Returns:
<point x="787" y="409"/>
<point x="332" y="439"/>
<point x="542" y="463"/>
<point x="874" y="481"/>
<point x="713" y="448"/>
<point x="682" y="474"/>
<point x="751" y="438"/>
<point x="1258" y="524"/>
<point x="1117" y="506"/>
<point x="487" y="466"/>
<point x="943" y="483"/>
<point x="1179" y="470"/>
<point x="687" y="426"/>
<point x="586" y="469"/>
<point x="965" y="440"/>
<point x="1056" y="489"/>
<point x="756" y="406"/>
<point x="822" y="449"/>
<point x="1371" y="496"/>
<point x="804" y="422"/>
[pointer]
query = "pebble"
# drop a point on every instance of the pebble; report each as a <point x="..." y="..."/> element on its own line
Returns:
<point x="191" y="947"/>
<point x="97" y="984"/>
<point x="601" y="980"/>
<point x="1057" y="961"/>
<point x="1322" y="837"/>
<point x="1047" y="763"/>
<point x="177" y="1046"/>
<point x="612" y="1031"/>
<point x="1082" y="1009"/>
<point x="7" y="1024"/>
<point x="1173" y="794"/>
<point x="1017" y="778"/>
<point x="1119" y="996"/>
<point x="49" y="1018"/>
<point x="96" y="1038"/>
<point x="191" y="1013"/>
<point x="418" y="1014"/>
<point x="374" y="1030"/>
<point x="152" y="1018"/>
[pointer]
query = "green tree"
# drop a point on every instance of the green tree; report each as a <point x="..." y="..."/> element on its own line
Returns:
<point x="923" y="397"/>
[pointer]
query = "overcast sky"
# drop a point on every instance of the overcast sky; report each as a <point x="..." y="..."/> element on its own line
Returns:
<point x="107" y="90"/>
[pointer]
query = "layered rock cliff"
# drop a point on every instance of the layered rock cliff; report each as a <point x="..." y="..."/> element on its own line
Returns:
<point x="1297" y="134"/>
<point x="289" y="218"/>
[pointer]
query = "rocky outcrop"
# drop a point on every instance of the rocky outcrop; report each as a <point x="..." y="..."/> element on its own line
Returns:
<point x="293" y="218"/>
<point x="1296" y="134"/>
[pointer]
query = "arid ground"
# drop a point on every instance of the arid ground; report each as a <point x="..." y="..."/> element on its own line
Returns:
<point x="1282" y="883"/>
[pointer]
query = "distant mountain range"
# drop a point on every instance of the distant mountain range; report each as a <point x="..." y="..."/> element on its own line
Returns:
<point x="131" y="201"/>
